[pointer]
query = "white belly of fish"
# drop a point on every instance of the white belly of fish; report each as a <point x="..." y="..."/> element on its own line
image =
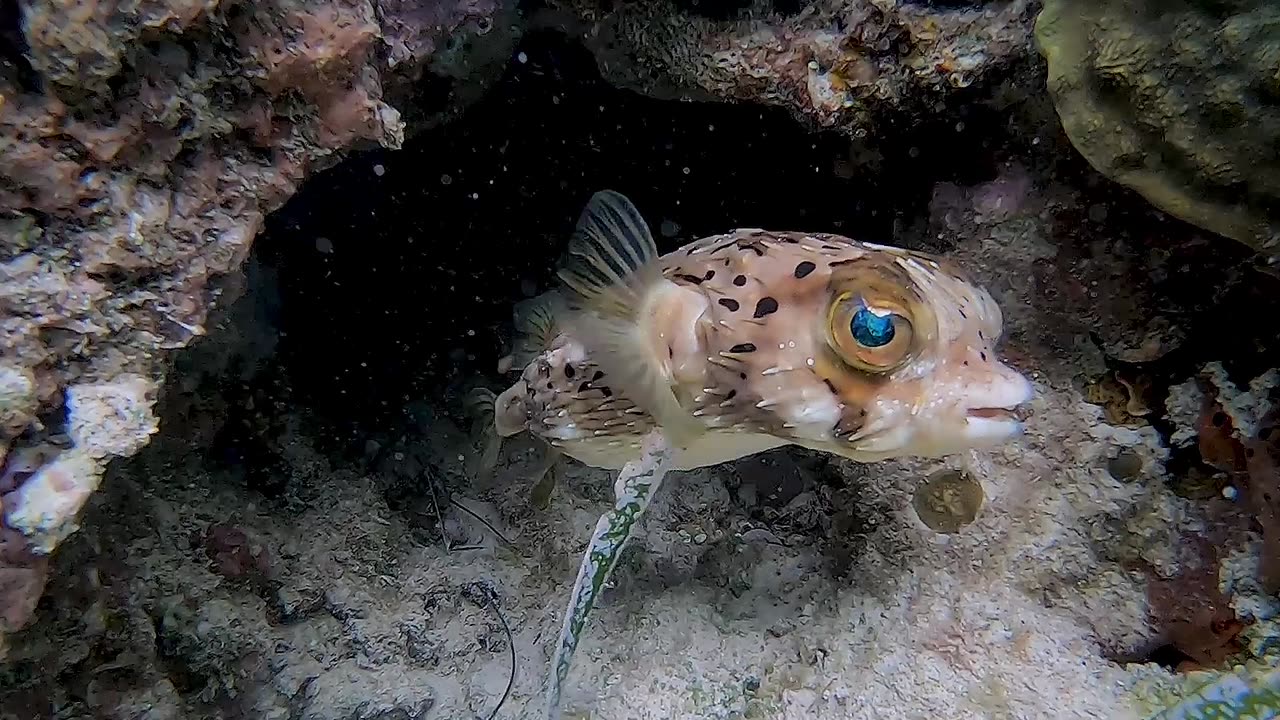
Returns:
<point x="712" y="448"/>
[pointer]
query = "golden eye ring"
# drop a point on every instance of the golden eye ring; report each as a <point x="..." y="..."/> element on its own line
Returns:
<point x="870" y="337"/>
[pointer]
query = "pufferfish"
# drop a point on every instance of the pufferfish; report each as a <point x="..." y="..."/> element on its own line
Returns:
<point x="742" y="342"/>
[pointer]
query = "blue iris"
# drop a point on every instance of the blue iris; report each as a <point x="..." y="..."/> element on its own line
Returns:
<point x="871" y="330"/>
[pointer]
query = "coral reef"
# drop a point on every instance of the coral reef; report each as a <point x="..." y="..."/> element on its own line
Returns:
<point x="783" y="586"/>
<point x="140" y="148"/>
<point x="847" y="64"/>
<point x="304" y="536"/>
<point x="1178" y="101"/>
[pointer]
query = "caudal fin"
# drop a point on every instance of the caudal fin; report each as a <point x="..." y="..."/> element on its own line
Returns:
<point x="536" y="325"/>
<point x="479" y="404"/>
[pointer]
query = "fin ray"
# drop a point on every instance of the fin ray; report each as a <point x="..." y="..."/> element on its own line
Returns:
<point x="479" y="404"/>
<point x="535" y="326"/>
<point x="609" y="269"/>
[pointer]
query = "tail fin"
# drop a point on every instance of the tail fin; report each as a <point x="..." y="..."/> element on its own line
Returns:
<point x="536" y="326"/>
<point x="479" y="404"/>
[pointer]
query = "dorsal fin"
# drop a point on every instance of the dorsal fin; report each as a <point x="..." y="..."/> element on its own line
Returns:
<point x="609" y="271"/>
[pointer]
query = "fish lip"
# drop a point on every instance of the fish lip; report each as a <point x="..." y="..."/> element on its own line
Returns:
<point x="1015" y="414"/>
<point x="1011" y="417"/>
<point x="995" y="428"/>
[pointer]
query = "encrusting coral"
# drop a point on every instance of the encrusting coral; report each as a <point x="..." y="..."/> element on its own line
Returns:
<point x="843" y="64"/>
<point x="1179" y="101"/>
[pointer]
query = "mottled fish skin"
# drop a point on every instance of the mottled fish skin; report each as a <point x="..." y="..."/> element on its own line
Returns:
<point x="745" y="329"/>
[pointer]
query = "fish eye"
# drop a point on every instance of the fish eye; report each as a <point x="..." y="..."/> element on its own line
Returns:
<point x="870" y="329"/>
<point x="868" y="336"/>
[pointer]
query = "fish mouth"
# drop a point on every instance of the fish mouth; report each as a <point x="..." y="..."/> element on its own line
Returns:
<point x="995" y="424"/>
<point x="1013" y="414"/>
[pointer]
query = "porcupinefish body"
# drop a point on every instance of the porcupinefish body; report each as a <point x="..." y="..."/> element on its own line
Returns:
<point x="739" y="343"/>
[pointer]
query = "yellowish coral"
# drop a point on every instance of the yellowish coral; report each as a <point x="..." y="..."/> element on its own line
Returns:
<point x="1178" y="100"/>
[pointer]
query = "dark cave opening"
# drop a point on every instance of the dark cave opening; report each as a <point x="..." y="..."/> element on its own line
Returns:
<point x="14" y="63"/>
<point x="397" y="270"/>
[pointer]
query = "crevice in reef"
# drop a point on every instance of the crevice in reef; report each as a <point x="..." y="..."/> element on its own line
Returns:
<point x="13" y="48"/>
<point x="398" y="270"/>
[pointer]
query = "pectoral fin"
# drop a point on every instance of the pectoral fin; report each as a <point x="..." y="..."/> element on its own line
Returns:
<point x="610" y="272"/>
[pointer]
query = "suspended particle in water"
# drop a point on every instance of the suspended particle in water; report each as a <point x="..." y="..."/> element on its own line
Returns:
<point x="324" y="245"/>
<point x="446" y="179"/>
<point x="379" y="170"/>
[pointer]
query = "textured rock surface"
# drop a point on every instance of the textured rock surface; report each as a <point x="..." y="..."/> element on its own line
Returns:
<point x="1179" y="101"/>
<point x="141" y="145"/>
<point x="847" y="64"/>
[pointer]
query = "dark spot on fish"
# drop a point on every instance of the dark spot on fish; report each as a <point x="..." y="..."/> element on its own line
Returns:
<point x="689" y="278"/>
<point x="549" y="385"/>
<point x="831" y="247"/>
<point x="753" y="247"/>
<point x="961" y="311"/>
<point x="607" y="392"/>
<point x="725" y="246"/>
<point x="569" y="372"/>
<point x="729" y="303"/>
<point x="740" y="280"/>
<point x="838" y="263"/>
<point x="981" y="336"/>
<point x="710" y="274"/>
<point x="766" y="306"/>
<point x="727" y="262"/>
<point x="804" y="268"/>
<point x="599" y="374"/>
<point x="671" y="352"/>
<point x="789" y="240"/>
<point x="983" y="356"/>
<point x="742" y="375"/>
<point x="732" y="394"/>
<point x="743" y="348"/>
<point x="585" y="386"/>
<point x="830" y="386"/>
